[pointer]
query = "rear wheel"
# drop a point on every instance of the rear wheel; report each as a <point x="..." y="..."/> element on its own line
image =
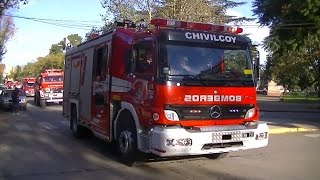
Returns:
<point x="77" y="130"/>
<point x="127" y="145"/>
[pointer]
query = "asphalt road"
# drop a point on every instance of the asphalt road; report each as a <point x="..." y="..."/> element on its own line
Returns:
<point x="37" y="144"/>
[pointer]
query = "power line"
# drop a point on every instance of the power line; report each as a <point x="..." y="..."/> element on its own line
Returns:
<point x="86" y="25"/>
<point x="47" y="19"/>
<point x="61" y="23"/>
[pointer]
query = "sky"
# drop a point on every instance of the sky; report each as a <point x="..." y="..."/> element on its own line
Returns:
<point x="33" y="39"/>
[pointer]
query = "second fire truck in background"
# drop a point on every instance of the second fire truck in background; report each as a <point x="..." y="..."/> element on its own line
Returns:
<point x="49" y="87"/>
<point x="28" y="85"/>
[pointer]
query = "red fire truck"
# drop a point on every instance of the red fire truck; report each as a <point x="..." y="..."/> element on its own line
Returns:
<point x="49" y="87"/>
<point x="178" y="89"/>
<point x="28" y="85"/>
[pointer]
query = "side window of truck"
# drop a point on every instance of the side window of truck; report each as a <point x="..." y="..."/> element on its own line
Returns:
<point x="100" y="73"/>
<point x="143" y="57"/>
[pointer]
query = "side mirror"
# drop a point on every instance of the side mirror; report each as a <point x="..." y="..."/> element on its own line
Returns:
<point x="166" y="72"/>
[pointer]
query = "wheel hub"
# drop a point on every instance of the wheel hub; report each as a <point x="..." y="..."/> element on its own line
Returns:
<point x="124" y="141"/>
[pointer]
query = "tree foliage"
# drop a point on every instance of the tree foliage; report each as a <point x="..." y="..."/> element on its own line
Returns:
<point x="2" y="68"/>
<point x="294" y="40"/>
<point x="213" y="11"/>
<point x="7" y="4"/>
<point x="74" y="40"/>
<point x="6" y="32"/>
<point x="55" y="59"/>
<point x="6" y="22"/>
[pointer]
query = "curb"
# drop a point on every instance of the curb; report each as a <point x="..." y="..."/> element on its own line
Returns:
<point x="291" y="130"/>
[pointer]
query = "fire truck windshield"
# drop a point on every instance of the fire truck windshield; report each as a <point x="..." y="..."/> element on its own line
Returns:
<point x="208" y="65"/>
<point x="30" y="84"/>
<point x="53" y="79"/>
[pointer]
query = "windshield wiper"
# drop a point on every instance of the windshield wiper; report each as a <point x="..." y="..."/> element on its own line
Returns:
<point x="191" y="77"/>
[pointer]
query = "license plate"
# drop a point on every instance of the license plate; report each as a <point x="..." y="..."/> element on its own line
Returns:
<point x="226" y="136"/>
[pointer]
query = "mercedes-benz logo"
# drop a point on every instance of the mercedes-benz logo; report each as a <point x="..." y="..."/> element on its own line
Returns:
<point x="215" y="111"/>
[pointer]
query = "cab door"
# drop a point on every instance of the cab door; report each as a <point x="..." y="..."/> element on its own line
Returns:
<point x="100" y="106"/>
<point x="142" y="76"/>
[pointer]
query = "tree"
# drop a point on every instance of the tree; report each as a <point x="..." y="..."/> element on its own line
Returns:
<point x="6" y="32"/>
<point x="7" y="4"/>
<point x="15" y="73"/>
<point x="2" y="68"/>
<point x="55" y="61"/>
<point x="213" y="11"/>
<point x="74" y="40"/>
<point x="294" y="37"/>
<point x="6" y="22"/>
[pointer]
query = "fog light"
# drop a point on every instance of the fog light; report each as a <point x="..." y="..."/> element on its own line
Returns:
<point x="171" y="142"/>
<point x="260" y="136"/>
<point x="248" y="134"/>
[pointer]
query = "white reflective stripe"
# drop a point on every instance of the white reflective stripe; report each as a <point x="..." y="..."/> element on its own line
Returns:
<point x="119" y="89"/>
<point x="120" y="82"/>
<point x="99" y="116"/>
<point x="96" y="120"/>
<point x="120" y="85"/>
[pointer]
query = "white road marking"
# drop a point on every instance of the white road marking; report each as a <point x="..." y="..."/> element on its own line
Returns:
<point x="47" y="125"/>
<point x="313" y="135"/>
<point x="22" y="127"/>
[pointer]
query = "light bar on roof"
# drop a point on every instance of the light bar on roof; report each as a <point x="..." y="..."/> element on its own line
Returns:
<point x="195" y="26"/>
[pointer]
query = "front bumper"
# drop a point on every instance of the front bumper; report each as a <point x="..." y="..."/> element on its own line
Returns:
<point x="29" y="94"/>
<point x="207" y="140"/>
<point x="53" y="98"/>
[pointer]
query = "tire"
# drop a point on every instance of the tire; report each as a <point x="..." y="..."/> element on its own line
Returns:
<point x="43" y="103"/>
<point x="217" y="155"/>
<point x="127" y="146"/>
<point x="78" y="131"/>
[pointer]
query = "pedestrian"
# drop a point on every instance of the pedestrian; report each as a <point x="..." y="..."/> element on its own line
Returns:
<point x="15" y="100"/>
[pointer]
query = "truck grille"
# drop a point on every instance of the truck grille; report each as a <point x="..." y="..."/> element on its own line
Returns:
<point x="216" y="112"/>
<point x="56" y="90"/>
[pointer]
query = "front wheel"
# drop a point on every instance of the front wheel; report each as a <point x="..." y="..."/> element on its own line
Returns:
<point x="127" y="145"/>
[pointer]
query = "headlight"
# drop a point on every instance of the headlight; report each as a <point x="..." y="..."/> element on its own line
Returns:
<point x="171" y="115"/>
<point x="250" y="113"/>
<point x="23" y="100"/>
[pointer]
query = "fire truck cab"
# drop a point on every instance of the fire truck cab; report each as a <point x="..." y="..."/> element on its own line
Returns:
<point x="178" y="89"/>
<point x="49" y="87"/>
<point x="28" y="85"/>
